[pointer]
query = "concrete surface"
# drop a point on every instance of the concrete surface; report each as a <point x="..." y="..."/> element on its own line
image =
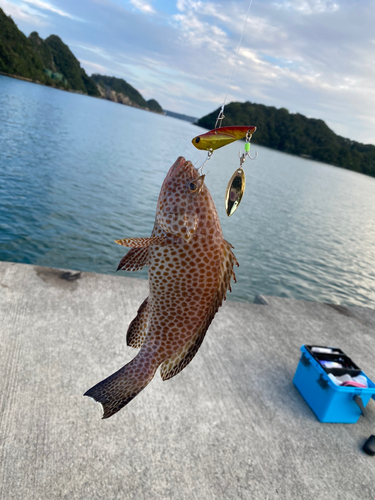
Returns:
<point x="230" y="426"/>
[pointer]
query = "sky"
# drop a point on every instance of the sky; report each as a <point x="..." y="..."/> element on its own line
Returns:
<point x="314" y="57"/>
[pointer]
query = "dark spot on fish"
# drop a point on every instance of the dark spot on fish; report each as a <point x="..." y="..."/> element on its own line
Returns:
<point x="197" y="139"/>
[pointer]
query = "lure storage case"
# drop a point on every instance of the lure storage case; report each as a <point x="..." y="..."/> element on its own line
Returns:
<point x="331" y="402"/>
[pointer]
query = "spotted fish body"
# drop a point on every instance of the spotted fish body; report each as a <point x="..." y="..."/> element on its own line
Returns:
<point x="190" y="269"/>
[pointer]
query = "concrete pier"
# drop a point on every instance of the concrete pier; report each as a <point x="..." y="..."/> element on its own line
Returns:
<point x="230" y="426"/>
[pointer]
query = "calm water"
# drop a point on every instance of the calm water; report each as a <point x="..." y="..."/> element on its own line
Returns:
<point x="77" y="173"/>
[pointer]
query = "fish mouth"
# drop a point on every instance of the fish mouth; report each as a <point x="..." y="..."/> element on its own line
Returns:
<point x="179" y="165"/>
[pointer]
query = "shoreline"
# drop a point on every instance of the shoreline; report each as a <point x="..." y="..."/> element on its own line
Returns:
<point x="72" y="91"/>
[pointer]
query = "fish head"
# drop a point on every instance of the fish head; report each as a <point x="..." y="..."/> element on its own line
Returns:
<point x="181" y="199"/>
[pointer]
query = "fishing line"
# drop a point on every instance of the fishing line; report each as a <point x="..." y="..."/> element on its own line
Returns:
<point x="221" y="112"/>
<point x="221" y="136"/>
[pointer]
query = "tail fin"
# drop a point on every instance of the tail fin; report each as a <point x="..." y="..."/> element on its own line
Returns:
<point x="119" y="389"/>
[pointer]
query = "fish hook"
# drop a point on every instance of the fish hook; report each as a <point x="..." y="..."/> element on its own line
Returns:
<point x="246" y="155"/>
<point x="247" y="151"/>
<point x="209" y="156"/>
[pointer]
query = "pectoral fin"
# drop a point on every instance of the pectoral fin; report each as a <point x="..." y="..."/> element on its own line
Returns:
<point x="137" y="330"/>
<point x="134" y="260"/>
<point x="142" y="242"/>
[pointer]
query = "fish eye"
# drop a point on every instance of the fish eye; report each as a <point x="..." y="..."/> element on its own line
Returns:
<point x="193" y="187"/>
<point x="197" y="139"/>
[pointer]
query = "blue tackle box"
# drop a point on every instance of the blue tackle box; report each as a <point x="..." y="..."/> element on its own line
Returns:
<point x="331" y="402"/>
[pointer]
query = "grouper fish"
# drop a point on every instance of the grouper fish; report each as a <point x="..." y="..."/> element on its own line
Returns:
<point x="190" y="267"/>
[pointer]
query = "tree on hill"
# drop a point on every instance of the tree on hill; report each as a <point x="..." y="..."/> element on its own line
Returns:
<point x="17" y="56"/>
<point x="43" y="50"/>
<point x="154" y="106"/>
<point x="41" y="60"/>
<point x="66" y="63"/>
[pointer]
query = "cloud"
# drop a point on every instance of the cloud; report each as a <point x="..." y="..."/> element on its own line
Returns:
<point x="143" y="6"/>
<point x="94" y="67"/>
<point x="23" y="13"/>
<point x="99" y="51"/>
<point x="208" y="9"/>
<point x="312" y="57"/>
<point x="197" y="33"/>
<point x="51" y="8"/>
<point x="308" y="7"/>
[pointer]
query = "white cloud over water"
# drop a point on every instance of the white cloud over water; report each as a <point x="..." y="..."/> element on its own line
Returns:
<point x="314" y="57"/>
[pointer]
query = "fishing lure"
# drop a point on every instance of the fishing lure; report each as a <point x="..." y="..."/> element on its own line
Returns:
<point x="219" y="137"/>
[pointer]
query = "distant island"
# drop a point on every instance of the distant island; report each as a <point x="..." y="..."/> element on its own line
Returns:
<point x="298" y="135"/>
<point x="118" y="90"/>
<point x="180" y="116"/>
<point x="51" y="62"/>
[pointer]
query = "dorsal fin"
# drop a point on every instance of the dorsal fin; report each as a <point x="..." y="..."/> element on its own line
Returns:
<point x="186" y="353"/>
<point x="137" y="330"/>
<point x="134" y="260"/>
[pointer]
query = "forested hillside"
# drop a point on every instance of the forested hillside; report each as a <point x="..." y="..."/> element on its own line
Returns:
<point x="51" y="62"/>
<point x="296" y="134"/>
<point x="154" y="106"/>
<point x="17" y="56"/>
<point x="67" y="64"/>
<point x="47" y="61"/>
<point x="60" y="64"/>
